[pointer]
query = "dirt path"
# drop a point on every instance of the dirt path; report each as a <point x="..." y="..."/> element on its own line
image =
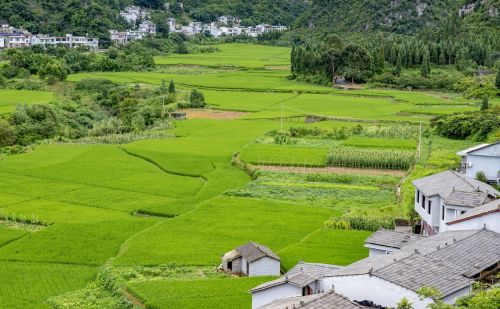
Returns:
<point x="212" y="114"/>
<point x="340" y="170"/>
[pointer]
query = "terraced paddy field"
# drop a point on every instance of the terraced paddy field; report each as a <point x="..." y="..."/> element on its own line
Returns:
<point x="153" y="217"/>
<point x="230" y="55"/>
<point x="10" y="98"/>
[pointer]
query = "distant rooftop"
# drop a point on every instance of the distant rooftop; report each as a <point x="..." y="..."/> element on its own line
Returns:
<point x="391" y="238"/>
<point x="328" y="300"/>
<point x="444" y="183"/>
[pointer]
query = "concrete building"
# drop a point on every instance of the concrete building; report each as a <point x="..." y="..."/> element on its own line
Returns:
<point x="228" y="20"/>
<point x="442" y="197"/>
<point x="482" y="158"/>
<point x="133" y="13"/>
<point x="251" y="260"/>
<point x="485" y="216"/>
<point x="449" y="261"/>
<point x="68" y="40"/>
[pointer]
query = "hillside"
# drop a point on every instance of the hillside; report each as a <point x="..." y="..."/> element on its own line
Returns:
<point x="400" y="16"/>
<point x="96" y="17"/>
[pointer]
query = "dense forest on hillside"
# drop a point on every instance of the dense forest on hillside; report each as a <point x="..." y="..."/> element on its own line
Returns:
<point x="405" y="16"/>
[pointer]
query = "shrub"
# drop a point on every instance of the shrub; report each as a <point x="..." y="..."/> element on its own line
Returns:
<point x="197" y="99"/>
<point x="7" y="134"/>
<point x="481" y="176"/>
<point x="360" y="223"/>
<point x="476" y="125"/>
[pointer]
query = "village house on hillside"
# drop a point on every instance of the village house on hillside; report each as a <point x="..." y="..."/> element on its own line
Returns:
<point x="442" y="197"/>
<point x="251" y="260"/>
<point x="11" y="37"/>
<point x="482" y="158"/>
<point x="449" y="261"/>
<point x="133" y="13"/>
<point x="225" y="26"/>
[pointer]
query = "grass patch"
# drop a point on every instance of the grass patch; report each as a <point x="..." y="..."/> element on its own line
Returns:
<point x="327" y="246"/>
<point x="210" y="293"/>
<point x="9" y="98"/>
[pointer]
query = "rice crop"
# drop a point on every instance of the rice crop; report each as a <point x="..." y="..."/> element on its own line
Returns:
<point x="339" y="247"/>
<point x="368" y="158"/>
<point x="383" y="143"/>
<point x="197" y="294"/>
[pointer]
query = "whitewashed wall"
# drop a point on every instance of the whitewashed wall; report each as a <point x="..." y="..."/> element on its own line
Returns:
<point x="489" y="165"/>
<point x="264" y="267"/>
<point x="267" y="296"/>
<point x="381" y="292"/>
<point x="492" y="222"/>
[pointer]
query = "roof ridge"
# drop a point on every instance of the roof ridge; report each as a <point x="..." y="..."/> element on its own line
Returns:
<point x="464" y="179"/>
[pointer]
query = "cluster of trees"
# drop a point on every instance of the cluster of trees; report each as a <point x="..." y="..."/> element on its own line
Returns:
<point x="54" y="63"/>
<point x="472" y="125"/>
<point x="96" y="107"/>
<point x="329" y="58"/>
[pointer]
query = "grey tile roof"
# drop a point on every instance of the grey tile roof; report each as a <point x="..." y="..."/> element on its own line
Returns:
<point x="391" y="238"/>
<point x="328" y="300"/>
<point x="467" y="198"/>
<point x="450" y="257"/>
<point x="419" y="271"/>
<point x="483" y="146"/>
<point x="444" y="183"/>
<point x="301" y="275"/>
<point x="464" y="152"/>
<point x="254" y="251"/>
<point x="300" y="279"/>
<point x="473" y="254"/>
<point x="444" y="261"/>
<point x="491" y="207"/>
<point x="316" y="270"/>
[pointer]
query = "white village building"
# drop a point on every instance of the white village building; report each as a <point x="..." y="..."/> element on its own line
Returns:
<point x="487" y="215"/>
<point x="11" y="37"/>
<point x="251" y="260"/>
<point x="145" y="29"/>
<point x="225" y="26"/>
<point x="482" y="158"/>
<point x="449" y="261"/>
<point x="228" y="20"/>
<point x="133" y="13"/>
<point x="442" y="197"/>
<point x="68" y="40"/>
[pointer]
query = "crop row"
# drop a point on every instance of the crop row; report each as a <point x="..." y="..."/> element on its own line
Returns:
<point x="367" y="158"/>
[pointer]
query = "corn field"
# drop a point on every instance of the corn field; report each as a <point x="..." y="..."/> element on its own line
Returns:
<point x="367" y="158"/>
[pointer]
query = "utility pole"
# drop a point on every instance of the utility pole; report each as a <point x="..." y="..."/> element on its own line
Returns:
<point x="420" y="140"/>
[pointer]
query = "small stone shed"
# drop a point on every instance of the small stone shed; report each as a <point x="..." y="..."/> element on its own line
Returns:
<point x="251" y="260"/>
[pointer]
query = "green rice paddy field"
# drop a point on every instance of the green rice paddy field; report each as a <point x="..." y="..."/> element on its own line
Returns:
<point x="10" y="98"/>
<point x="180" y="201"/>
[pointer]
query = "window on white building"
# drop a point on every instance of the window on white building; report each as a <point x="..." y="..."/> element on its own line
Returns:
<point x="429" y="207"/>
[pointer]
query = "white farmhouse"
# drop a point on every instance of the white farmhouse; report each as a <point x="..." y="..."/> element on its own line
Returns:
<point x="482" y="158"/>
<point x="147" y="27"/>
<point x="132" y="13"/>
<point x="68" y="40"/>
<point x="449" y="262"/>
<point x="228" y="20"/>
<point x="252" y="260"/>
<point x="485" y="216"/>
<point x="442" y="197"/>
